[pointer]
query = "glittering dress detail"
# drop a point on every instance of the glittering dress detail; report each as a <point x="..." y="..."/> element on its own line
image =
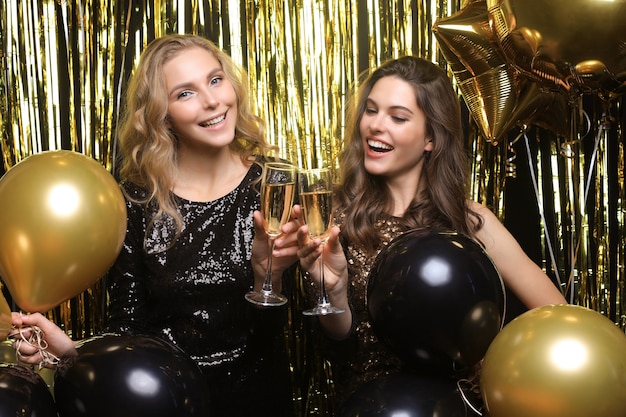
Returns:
<point x="361" y="357"/>
<point x="192" y="294"/>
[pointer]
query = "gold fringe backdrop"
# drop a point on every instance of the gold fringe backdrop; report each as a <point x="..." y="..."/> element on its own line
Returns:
<point x="65" y="64"/>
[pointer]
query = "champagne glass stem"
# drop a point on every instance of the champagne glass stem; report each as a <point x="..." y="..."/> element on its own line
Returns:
<point x="323" y="298"/>
<point x="267" y="297"/>
<point x="323" y="306"/>
<point x="267" y="283"/>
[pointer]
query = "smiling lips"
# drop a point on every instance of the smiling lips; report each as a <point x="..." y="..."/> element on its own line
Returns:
<point x="213" y="122"/>
<point x="377" y="146"/>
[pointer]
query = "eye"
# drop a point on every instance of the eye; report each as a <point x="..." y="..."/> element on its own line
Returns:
<point x="216" y="80"/>
<point x="184" y="94"/>
<point x="399" y="119"/>
<point x="370" y="110"/>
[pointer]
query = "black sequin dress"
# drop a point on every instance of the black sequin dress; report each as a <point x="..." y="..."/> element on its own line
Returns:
<point x="192" y="294"/>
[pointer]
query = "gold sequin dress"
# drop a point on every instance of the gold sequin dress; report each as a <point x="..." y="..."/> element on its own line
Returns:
<point x="361" y="357"/>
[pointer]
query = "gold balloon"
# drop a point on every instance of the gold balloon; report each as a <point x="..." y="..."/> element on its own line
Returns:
<point x="7" y="352"/>
<point x="47" y="375"/>
<point x="549" y="109"/>
<point x="62" y="224"/>
<point x="556" y="361"/>
<point x="498" y="97"/>
<point x="489" y="90"/>
<point x="565" y="35"/>
<point x="5" y="317"/>
<point x="467" y="42"/>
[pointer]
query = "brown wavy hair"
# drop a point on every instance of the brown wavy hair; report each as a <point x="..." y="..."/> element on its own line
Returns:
<point x="364" y="198"/>
<point x="148" y="146"/>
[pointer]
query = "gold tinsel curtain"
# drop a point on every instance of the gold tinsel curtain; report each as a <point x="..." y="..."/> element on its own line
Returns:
<point x="65" y="64"/>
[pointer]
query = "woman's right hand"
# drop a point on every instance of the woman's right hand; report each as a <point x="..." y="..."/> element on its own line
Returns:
<point x="54" y="341"/>
<point x="336" y="326"/>
<point x="335" y="264"/>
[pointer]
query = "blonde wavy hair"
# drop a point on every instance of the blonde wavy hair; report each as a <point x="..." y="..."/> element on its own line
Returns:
<point x="149" y="147"/>
<point x="365" y="198"/>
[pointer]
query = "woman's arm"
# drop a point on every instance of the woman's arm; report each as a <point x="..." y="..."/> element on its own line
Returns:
<point x="519" y="273"/>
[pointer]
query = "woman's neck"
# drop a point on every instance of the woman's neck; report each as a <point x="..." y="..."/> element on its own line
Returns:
<point x="403" y="193"/>
<point x="207" y="177"/>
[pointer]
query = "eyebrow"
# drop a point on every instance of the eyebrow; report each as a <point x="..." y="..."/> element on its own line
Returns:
<point x="394" y="107"/>
<point x="188" y="84"/>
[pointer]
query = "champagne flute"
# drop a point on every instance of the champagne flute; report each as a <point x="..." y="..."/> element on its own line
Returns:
<point x="317" y="210"/>
<point x="278" y="187"/>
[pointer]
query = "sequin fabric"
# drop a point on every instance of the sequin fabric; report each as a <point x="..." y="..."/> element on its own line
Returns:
<point x="192" y="294"/>
<point x="361" y="357"/>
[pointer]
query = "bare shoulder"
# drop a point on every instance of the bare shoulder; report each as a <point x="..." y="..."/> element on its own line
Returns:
<point x="483" y="211"/>
<point x="478" y="207"/>
<point x="492" y="230"/>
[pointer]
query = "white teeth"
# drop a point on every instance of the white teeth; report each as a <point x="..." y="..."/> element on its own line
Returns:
<point x="215" y="121"/>
<point x="379" y="145"/>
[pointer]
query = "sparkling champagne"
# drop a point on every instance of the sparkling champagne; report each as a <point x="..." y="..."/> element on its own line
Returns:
<point x="317" y="209"/>
<point x="276" y="202"/>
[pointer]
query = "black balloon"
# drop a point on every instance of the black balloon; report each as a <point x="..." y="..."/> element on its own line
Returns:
<point x="436" y="298"/>
<point x="130" y="376"/>
<point x="23" y="393"/>
<point x="407" y="395"/>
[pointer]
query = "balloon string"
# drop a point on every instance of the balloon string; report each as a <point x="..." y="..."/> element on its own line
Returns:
<point x="472" y="386"/>
<point x="35" y="339"/>
<point x="583" y="209"/>
<point x="510" y="164"/>
<point x="593" y="161"/>
<point x="541" y="213"/>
